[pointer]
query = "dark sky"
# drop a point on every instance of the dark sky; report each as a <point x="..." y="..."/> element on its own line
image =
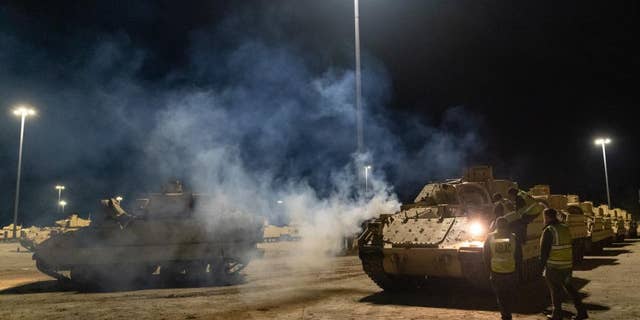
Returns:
<point x="542" y="79"/>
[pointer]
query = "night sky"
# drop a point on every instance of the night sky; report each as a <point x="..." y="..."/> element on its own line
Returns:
<point x="538" y="81"/>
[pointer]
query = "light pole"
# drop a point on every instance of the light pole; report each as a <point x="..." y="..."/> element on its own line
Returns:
<point x="62" y="203"/>
<point x="23" y="112"/>
<point x="603" y="142"/>
<point x="59" y="188"/>
<point x="366" y="178"/>
<point x="356" y="18"/>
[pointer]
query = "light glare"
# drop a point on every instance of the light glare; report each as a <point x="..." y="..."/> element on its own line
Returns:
<point x="476" y="229"/>
<point x="24" y="111"/>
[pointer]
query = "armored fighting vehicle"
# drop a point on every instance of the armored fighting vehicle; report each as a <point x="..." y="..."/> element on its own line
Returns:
<point x="599" y="236"/>
<point x="175" y="235"/>
<point x="617" y="222"/>
<point x="627" y="218"/>
<point x="442" y="234"/>
<point x="632" y="232"/>
<point x="603" y="211"/>
<point x="32" y="237"/>
<point x="284" y="233"/>
<point x="570" y="214"/>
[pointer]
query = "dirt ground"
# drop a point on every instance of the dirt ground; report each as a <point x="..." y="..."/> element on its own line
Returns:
<point x="285" y="286"/>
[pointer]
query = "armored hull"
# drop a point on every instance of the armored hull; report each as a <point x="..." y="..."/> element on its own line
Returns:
<point x="442" y="235"/>
<point x="167" y="237"/>
<point x="600" y="235"/>
<point x="571" y="214"/>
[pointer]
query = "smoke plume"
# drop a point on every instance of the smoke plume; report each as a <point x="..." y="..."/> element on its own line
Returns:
<point x="250" y="118"/>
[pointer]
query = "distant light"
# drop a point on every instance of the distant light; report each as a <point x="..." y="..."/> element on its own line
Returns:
<point x="279" y="202"/>
<point x="59" y="187"/>
<point x="368" y="167"/>
<point x="601" y="141"/>
<point x="119" y="198"/>
<point x="24" y="111"/>
<point x="62" y="203"/>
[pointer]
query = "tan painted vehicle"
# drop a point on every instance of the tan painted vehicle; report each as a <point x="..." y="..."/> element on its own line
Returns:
<point x="33" y="236"/>
<point x="617" y="223"/>
<point x="442" y="235"/>
<point x="603" y="211"/>
<point x="281" y="233"/>
<point x="6" y="233"/>
<point x="632" y="230"/>
<point x="570" y="213"/>
<point x="628" y="223"/>
<point x="179" y="236"/>
<point x="600" y="236"/>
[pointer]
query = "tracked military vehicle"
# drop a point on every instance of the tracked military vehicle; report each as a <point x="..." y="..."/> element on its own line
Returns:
<point x="600" y="236"/>
<point x="32" y="237"/>
<point x="632" y="232"/>
<point x="174" y="234"/>
<point x="617" y="222"/>
<point x="442" y="235"/>
<point x="571" y="215"/>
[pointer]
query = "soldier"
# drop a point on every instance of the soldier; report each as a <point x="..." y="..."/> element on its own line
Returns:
<point x="526" y="206"/>
<point x="502" y="254"/>
<point x="501" y="206"/>
<point x="526" y="210"/>
<point x="557" y="258"/>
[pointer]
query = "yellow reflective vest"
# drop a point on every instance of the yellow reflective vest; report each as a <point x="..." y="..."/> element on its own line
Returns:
<point x="531" y="208"/>
<point x="561" y="254"/>
<point x="503" y="252"/>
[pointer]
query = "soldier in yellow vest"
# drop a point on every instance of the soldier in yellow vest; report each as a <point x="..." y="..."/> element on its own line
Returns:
<point x="502" y="254"/>
<point x="556" y="256"/>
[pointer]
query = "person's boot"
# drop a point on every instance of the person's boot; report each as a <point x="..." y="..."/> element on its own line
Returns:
<point x="582" y="314"/>
<point x="555" y="315"/>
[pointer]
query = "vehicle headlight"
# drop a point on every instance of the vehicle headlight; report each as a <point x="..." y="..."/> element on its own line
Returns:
<point x="476" y="229"/>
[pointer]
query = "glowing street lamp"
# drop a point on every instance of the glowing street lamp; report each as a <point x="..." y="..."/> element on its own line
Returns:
<point x="59" y="188"/>
<point x="62" y="204"/>
<point x="23" y="112"/>
<point x="119" y="198"/>
<point x="603" y="142"/>
<point x="366" y="178"/>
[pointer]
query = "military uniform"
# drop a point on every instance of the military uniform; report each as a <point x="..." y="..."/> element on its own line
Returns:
<point x="502" y="253"/>
<point x="526" y="210"/>
<point x="557" y="258"/>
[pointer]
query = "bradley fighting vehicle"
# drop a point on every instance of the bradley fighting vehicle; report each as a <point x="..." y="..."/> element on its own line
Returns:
<point x="633" y="226"/>
<point x="600" y="236"/>
<point x="571" y="214"/>
<point x="178" y="235"/>
<point x="617" y="223"/>
<point x="442" y="234"/>
<point x="33" y="236"/>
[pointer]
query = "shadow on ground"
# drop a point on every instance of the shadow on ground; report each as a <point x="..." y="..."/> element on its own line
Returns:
<point x="610" y="253"/>
<point x="588" y="264"/>
<point x="620" y="244"/>
<point x="155" y="283"/>
<point x="532" y="298"/>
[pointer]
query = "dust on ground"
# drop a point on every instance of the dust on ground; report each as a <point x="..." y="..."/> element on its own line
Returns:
<point x="275" y="288"/>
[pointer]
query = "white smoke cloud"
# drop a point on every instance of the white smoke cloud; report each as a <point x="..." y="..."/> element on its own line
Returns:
<point x="248" y="119"/>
